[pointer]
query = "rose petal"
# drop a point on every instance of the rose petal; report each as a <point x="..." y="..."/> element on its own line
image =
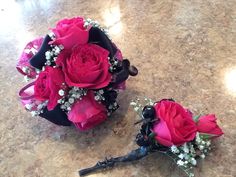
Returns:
<point x="92" y="63"/>
<point x="179" y="123"/>
<point x="87" y="113"/>
<point x="162" y="133"/>
<point x="74" y="37"/>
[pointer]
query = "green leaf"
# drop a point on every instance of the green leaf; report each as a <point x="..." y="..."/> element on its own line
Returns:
<point x="195" y="118"/>
<point x="151" y="135"/>
<point x="206" y="136"/>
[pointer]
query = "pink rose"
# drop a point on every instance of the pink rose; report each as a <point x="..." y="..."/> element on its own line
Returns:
<point x="47" y="85"/>
<point x="175" y="126"/>
<point x="85" y="66"/>
<point x="87" y="113"/>
<point x="70" y="32"/>
<point x="207" y="125"/>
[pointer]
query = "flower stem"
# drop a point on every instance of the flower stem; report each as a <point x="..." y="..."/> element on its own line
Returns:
<point x="132" y="156"/>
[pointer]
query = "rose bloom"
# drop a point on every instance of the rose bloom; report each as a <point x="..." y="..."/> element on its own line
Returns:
<point x="70" y="32"/>
<point x="87" y="113"/>
<point x="207" y="124"/>
<point x="85" y="66"/>
<point x="47" y="85"/>
<point x="175" y="125"/>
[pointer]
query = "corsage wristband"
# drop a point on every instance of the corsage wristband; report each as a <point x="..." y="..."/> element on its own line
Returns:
<point x="168" y="128"/>
<point x="77" y="72"/>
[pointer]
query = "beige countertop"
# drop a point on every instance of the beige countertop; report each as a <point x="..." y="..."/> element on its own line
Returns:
<point x="183" y="49"/>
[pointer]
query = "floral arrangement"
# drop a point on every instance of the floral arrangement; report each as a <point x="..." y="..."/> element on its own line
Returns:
<point x="169" y="128"/>
<point x="77" y="72"/>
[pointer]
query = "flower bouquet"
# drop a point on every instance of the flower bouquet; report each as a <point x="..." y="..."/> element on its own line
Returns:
<point x="77" y="72"/>
<point x="169" y="128"/>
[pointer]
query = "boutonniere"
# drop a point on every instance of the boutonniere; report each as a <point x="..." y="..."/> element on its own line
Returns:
<point x="168" y="128"/>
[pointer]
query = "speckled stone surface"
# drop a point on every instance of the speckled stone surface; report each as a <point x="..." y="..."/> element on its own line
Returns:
<point x="185" y="49"/>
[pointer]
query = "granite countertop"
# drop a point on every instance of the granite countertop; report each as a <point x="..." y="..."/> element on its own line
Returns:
<point x="183" y="49"/>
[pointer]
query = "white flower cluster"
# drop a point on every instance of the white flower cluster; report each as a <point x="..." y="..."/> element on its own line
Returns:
<point x="114" y="63"/>
<point x="112" y="107"/>
<point x="203" y="144"/>
<point x="27" y="70"/>
<point x="26" y="78"/>
<point x="52" y="35"/>
<point x="36" y="108"/>
<point x="99" y="95"/>
<point x="33" y="50"/>
<point x="89" y="22"/>
<point x="138" y="106"/>
<point x="74" y="94"/>
<point x="51" y="55"/>
<point x="185" y="155"/>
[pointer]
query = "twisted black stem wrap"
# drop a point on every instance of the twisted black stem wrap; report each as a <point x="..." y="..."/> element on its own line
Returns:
<point x="132" y="156"/>
<point x="144" y="140"/>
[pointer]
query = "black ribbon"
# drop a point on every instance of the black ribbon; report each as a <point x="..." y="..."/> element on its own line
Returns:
<point x="98" y="37"/>
<point x="39" y="60"/>
<point x="56" y="116"/>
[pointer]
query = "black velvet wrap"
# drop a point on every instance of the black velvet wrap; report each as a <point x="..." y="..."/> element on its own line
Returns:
<point x="38" y="60"/>
<point x="56" y="116"/>
<point x="96" y="36"/>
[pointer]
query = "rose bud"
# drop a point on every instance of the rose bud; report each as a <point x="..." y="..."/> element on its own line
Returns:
<point x="207" y="124"/>
<point x="70" y="32"/>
